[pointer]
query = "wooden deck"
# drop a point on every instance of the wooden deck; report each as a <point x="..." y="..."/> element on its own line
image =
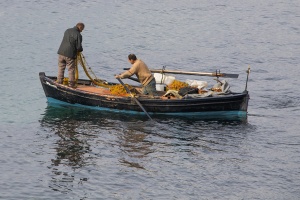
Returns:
<point x="92" y="89"/>
<point x="106" y="91"/>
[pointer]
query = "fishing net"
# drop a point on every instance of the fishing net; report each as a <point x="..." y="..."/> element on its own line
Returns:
<point x="177" y="85"/>
<point x="120" y="90"/>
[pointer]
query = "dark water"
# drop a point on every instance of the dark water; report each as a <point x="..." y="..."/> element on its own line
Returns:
<point x="50" y="152"/>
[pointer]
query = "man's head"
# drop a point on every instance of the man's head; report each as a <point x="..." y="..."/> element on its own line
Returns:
<point x="132" y="58"/>
<point x="80" y="26"/>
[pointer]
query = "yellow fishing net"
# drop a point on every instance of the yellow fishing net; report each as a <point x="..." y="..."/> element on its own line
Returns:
<point x="119" y="90"/>
<point x="176" y="85"/>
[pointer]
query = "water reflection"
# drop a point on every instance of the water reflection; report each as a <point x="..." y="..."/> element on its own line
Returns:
<point x="84" y="138"/>
<point x="71" y="147"/>
<point x="81" y="137"/>
<point x="134" y="146"/>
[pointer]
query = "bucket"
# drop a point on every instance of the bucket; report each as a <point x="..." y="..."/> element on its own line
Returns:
<point x="162" y="78"/>
<point x="160" y="87"/>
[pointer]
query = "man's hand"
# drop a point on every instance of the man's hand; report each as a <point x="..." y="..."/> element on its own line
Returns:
<point x="117" y="76"/>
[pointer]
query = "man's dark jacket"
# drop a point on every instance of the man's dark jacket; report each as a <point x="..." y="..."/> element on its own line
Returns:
<point x="71" y="43"/>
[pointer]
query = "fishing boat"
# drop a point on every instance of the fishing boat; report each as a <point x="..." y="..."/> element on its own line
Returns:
<point x="95" y="94"/>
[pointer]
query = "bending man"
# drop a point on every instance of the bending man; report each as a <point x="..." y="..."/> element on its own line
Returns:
<point x="144" y="75"/>
<point x="70" y="45"/>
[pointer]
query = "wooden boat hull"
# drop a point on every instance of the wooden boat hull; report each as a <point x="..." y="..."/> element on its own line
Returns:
<point x="236" y="102"/>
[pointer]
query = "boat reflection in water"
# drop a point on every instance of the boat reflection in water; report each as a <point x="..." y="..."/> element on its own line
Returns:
<point x="85" y="140"/>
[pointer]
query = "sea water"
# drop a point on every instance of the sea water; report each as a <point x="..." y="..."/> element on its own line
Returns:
<point x="61" y="152"/>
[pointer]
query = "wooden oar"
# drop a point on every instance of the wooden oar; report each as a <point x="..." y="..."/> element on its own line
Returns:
<point x="137" y="101"/>
<point x="134" y="79"/>
<point x="214" y="74"/>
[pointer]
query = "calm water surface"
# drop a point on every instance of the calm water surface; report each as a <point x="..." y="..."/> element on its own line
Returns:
<point x="56" y="152"/>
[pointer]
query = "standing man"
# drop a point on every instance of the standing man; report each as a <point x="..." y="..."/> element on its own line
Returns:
<point x="140" y="69"/>
<point x="67" y="52"/>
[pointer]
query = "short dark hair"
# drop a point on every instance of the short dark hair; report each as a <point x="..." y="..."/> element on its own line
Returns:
<point x="80" y="25"/>
<point x="131" y="57"/>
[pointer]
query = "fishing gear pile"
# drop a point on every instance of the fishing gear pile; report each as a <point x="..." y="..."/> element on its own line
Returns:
<point x="119" y="90"/>
<point x="176" y="85"/>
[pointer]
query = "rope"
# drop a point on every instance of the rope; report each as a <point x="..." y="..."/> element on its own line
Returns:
<point x="88" y="71"/>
